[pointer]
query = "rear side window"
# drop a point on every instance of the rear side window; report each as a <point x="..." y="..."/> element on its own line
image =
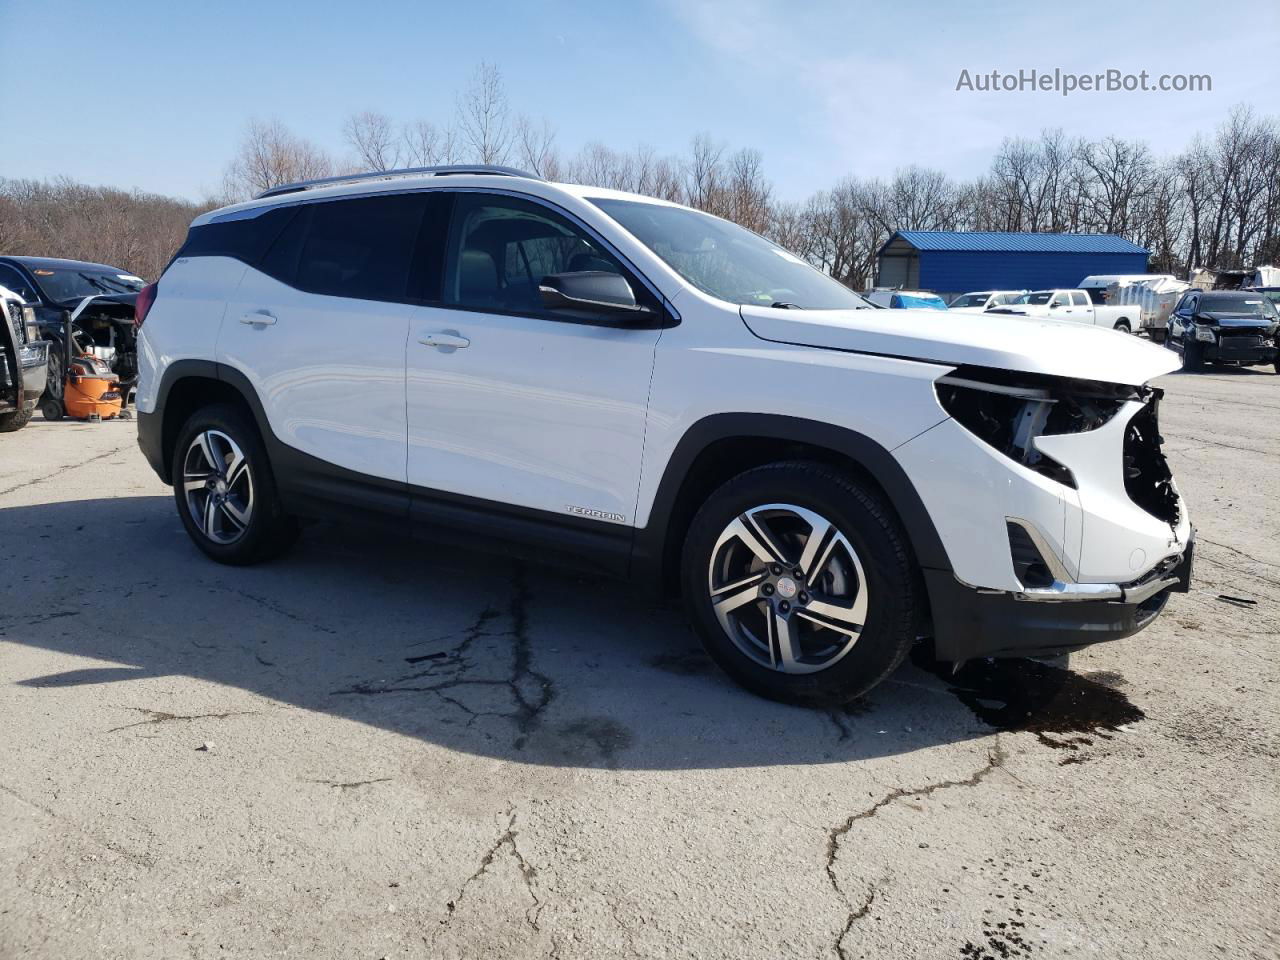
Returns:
<point x="361" y="248"/>
<point x="1079" y="299"/>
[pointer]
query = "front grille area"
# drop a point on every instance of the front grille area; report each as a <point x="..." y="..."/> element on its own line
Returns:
<point x="15" y="321"/>
<point x="1147" y="479"/>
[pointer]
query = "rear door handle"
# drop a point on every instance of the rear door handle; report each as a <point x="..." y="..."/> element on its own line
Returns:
<point x="446" y="340"/>
<point x="259" y="318"/>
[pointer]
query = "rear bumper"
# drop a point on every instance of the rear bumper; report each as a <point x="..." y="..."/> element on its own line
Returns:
<point x="971" y="622"/>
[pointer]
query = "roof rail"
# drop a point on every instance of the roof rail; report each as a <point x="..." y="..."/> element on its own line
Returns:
<point x="438" y="171"/>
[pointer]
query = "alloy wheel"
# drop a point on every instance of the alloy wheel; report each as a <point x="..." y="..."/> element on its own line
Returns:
<point x="218" y="486"/>
<point x="788" y="588"/>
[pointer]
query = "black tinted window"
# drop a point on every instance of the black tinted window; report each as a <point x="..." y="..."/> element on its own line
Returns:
<point x="16" y="283"/>
<point x="245" y="240"/>
<point x="502" y="247"/>
<point x="358" y="248"/>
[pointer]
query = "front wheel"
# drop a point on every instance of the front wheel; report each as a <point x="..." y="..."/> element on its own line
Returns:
<point x="14" y="420"/>
<point x="225" y="490"/>
<point x="800" y="583"/>
<point x="51" y="405"/>
<point x="1192" y="356"/>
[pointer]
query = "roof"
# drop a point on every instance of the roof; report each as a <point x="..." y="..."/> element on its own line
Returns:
<point x="545" y="189"/>
<point x="56" y="263"/>
<point x="950" y="240"/>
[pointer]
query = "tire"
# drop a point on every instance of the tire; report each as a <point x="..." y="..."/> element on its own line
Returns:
<point x="234" y="515"/>
<point x="865" y="569"/>
<point x="51" y="405"/>
<point x="14" y="420"/>
<point x="1192" y="356"/>
<point x="1158" y="335"/>
<point x="1123" y="326"/>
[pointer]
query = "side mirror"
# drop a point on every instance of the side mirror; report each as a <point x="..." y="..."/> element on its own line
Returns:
<point x="590" y="290"/>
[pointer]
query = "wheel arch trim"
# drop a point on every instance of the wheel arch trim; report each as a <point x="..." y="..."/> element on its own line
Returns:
<point x="652" y="547"/>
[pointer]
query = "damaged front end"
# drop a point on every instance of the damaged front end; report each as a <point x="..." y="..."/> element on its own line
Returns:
<point x="1081" y="538"/>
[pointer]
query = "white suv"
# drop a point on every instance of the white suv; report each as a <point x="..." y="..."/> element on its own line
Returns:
<point x="632" y="386"/>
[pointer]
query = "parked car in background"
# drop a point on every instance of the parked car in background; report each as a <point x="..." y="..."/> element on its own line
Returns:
<point x="906" y="299"/>
<point x="105" y="329"/>
<point x="983" y="300"/>
<point x="1073" y="305"/>
<point x="23" y="362"/>
<point x="1224" y="326"/>
<point x="601" y="379"/>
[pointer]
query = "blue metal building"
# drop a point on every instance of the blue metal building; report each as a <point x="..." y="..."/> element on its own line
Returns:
<point x="950" y="263"/>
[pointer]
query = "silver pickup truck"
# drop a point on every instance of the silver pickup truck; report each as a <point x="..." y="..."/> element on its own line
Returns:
<point x="1075" y="305"/>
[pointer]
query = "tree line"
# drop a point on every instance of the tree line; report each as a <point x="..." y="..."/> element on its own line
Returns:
<point x="1215" y="204"/>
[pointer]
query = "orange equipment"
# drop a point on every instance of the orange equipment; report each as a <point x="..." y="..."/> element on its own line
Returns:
<point x="92" y="390"/>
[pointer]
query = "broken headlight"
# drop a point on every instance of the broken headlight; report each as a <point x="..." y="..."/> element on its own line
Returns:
<point x="1009" y="410"/>
<point x="1206" y="334"/>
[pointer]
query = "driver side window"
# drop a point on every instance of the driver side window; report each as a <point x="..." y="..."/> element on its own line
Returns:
<point x="500" y="249"/>
<point x="16" y="283"/>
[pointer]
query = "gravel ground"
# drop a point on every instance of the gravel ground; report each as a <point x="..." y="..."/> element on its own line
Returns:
<point x="374" y="750"/>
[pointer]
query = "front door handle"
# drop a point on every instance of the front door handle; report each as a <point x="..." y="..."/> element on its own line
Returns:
<point x="446" y="340"/>
<point x="259" y="318"/>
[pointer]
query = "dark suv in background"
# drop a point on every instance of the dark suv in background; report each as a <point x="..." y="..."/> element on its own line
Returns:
<point x="1238" y="327"/>
<point x="53" y="287"/>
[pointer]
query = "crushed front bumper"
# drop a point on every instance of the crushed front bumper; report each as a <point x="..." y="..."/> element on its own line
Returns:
<point x="970" y="622"/>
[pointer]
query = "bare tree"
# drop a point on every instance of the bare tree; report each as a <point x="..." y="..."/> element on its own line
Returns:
<point x="269" y="156"/>
<point x="536" y="147"/>
<point x="426" y="145"/>
<point x="373" y="137"/>
<point x="484" y="116"/>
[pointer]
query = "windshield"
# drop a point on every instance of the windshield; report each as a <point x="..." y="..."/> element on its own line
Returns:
<point x="971" y="300"/>
<point x="926" y="300"/>
<point x="724" y="260"/>
<point x="1239" y="304"/>
<point x="72" y="284"/>
<point x="1002" y="299"/>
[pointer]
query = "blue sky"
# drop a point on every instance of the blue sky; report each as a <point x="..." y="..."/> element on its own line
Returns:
<point x="155" y="95"/>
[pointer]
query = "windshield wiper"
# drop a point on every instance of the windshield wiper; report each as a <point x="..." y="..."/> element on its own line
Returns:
<point x="784" y="305"/>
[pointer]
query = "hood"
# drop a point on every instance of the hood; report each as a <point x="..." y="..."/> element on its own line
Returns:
<point x="122" y="299"/>
<point x="1235" y="319"/>
<point x="1057" y="348"/>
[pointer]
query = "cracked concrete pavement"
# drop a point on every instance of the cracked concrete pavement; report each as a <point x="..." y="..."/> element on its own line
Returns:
<point x="413" y="752"/>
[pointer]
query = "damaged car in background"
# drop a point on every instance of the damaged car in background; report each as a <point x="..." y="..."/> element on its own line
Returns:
<point x="1236" y="327"/>
<point x="103" y="330"/>
<point x="23" y="362"/>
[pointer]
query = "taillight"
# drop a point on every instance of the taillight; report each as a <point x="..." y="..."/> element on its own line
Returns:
<point x="146" y="297"/>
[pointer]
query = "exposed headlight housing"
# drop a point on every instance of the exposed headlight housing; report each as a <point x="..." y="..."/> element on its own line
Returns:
<point x="1009" y="410"/>
<point x="1205" y="334"/>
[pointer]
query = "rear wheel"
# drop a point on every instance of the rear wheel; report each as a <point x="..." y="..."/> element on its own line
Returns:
<point x="800" y="583"/>
<point x="225" y="490"/>
<point x="1123" y="326"/>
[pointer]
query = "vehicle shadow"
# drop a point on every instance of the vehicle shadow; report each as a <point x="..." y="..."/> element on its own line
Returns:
<point x="468" y="651"/>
